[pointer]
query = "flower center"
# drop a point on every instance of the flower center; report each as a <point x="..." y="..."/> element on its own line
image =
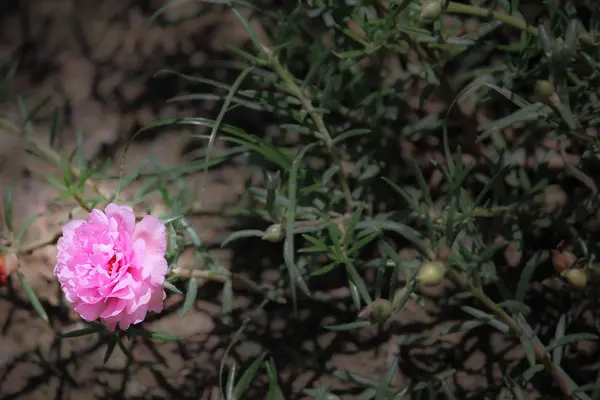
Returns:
<point x="113" y="265"/>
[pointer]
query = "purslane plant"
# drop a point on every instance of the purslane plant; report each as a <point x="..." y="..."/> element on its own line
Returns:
<point x="350" y="213"/>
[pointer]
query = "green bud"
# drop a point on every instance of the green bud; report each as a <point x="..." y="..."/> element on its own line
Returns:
<point x="431" y="11"/>
<point x="378" y="311"/>
<point x="587" y="38"/>
<point x="544" y="89"/>
<point x="431" y="273"/>
<point x="382" y="309"/>
<point x="274" y="233"/>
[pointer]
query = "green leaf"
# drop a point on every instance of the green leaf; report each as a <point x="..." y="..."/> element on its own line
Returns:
<point x="383" y="388"/>
<point x="275" y="392"/>
<point x="529" y="350"/>
<point x="362" y="242"/>
<point x="398" y="266"/>
<point x="247" y="378"/>
<point x="526" y="275"/>
<point x="80" y="160"/>
<point x="349" y="134"/>
<point x="273" y="184"/>
<point x="334" y="237"/>
<point x="515" y="307"/>
<point x="66" y="169"/>
<point x="491" y="183"/>
<point x="170" y="220"/>
<point x="125" y="350"/>
<point x="354" y="294"/>
<point x="230" y="381"/>
<point x="190" y="296"/>
<point x="559" y="333"/>
<point x="572" y="338"/>
<point x="8" y="217"/>
<point x="35" y="302"/>
<point x="190" y="233"/>
<point x="590" y="387"/>
<point x="488" y="253"/>
<point x="242" y="234"/>
<point x="82" y="332"/>
<point x="349" y="326"/>
<point x="487" y="318"/>
<point x="262" y="147"/>
<point x="358" y="282"/>
<point x="351" y="226"/>
<point x="219" y="120"/>
<point x="324" y="270"/>
<point x="54" y="126"/>
<point x="422" y="183"/>
<point x="171" y="288"/>
<point x="532" y="371"/>
<point x="247" y="28"/>
<point x="227" y="298"/>
<point x="288" y="245"/>
<point x="318" y="243"/>
<point x="402" y="193"/>
<point x="152" y="335"/>
<point x="23" y="229"/>
<point x="54" y="182"/>
<point x="401" y="297"/>
<point x="166" y="7"/>
<point x="514" y="387"/>
<point x="404" y="230"/>
<point x="531" y="112"/>
<point x="239" y="136"/>
<point x="112" y="342"/>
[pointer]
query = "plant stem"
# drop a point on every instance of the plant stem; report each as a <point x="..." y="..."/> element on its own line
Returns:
<point x="323" y="134"/>
<point x="81" y="202"/>
<point x="519" y="23"/>
<point x="36" y="244"/>
<point x="562" y="380"/>
<point x="249" y="284"/>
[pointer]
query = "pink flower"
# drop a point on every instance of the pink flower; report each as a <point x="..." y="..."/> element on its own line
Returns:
<point x="111" y="268"/>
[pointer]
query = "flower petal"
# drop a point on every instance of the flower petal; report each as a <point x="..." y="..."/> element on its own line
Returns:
<point x="89" y="312"/>
<point x="123" y="214"/>
<point x="97" y="217"/>
<point x="153" y="232"/>
<point x="68" y="229"/>
<point x="113" y="308"/>
<point x="156" y="300"/>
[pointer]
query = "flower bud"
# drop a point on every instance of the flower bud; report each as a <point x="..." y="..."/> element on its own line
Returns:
<point x="544" y="89"/>
<point x="587" y="38"/>
<point x="431" y="273"/>
<point x="378" y="311"/>
<point x="8" y="265"/>
<point x="382" y="309"/>
<point x="561" y="260"/>
<point x="577" y="277"/>
<point x="274" y="233"/>
<point x="431" y="11"/>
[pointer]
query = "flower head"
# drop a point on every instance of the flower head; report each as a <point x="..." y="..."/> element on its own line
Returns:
<point x="111" y="268"/>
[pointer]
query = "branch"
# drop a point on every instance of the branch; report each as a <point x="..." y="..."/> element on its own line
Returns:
<point x="562" y="380"/>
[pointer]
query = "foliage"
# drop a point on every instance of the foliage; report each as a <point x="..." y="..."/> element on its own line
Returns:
<point x="411" y="129"/>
